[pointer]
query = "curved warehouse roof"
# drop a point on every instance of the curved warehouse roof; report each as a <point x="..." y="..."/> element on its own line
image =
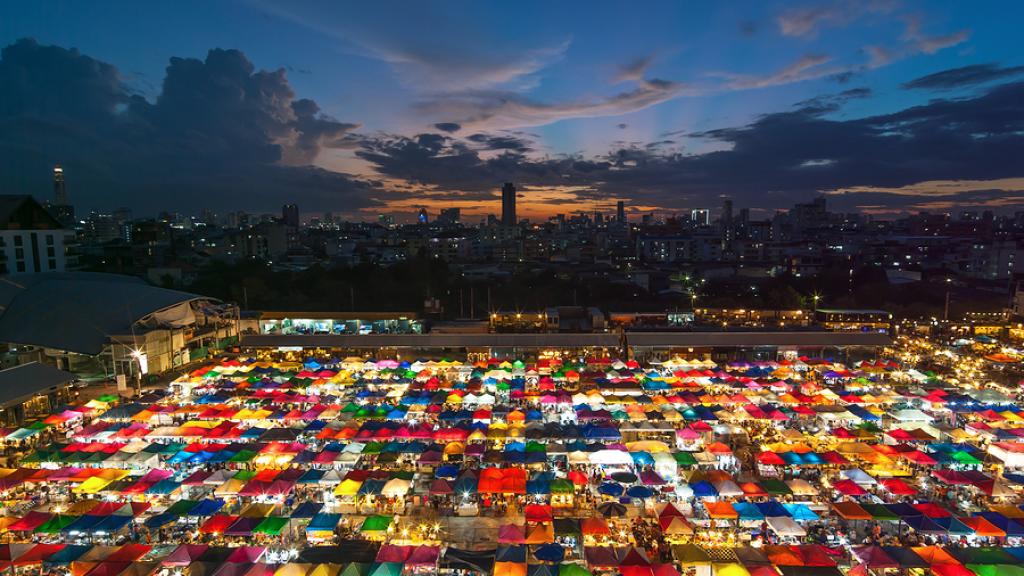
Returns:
<point x="78" y="311"/>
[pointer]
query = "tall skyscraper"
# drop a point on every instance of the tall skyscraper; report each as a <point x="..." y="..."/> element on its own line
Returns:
<point x="620" y="211"/>
<point x="508" y="205"/>
<point x="290" y="215"/>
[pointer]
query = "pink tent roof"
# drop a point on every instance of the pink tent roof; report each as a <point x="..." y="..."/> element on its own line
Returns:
<point x="511" y="534"/>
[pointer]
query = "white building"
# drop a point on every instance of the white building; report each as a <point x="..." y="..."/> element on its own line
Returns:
<point x="31" y="240"/>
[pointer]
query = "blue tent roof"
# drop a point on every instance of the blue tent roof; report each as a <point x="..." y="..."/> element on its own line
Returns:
<point x="800" y="512"/>
<point x="747" y="511"/>
<point x="207" y="507"/>
<point x="323" y="522"/>
<point x="639" y="492"/>
<point x="703" y="489"/>
<point x="307" y="510"/>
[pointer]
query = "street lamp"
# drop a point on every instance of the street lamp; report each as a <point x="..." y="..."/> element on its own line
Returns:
<point x="143" y="362"/>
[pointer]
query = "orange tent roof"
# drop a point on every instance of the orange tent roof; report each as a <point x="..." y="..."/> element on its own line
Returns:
<point x="722" y="510"/>
<point x="851" y="511"/>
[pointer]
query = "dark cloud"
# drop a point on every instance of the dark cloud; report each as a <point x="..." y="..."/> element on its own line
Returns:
<point x="964" y="76"/>
<point x="219" y="135"/>
<point x="843" y="77"/>
<point x="832" y="102"/>
<point x="776" y="160"/>
<point x="447" y="127"/>
<point x="501" y="142"/>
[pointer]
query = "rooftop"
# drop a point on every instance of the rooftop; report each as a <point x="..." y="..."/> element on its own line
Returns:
<point x="78" y="311"/>
<point x="25" y="381"/>
<point x="608" y="340"/>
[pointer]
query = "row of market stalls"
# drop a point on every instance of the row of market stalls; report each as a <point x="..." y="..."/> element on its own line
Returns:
<point x="599" y="466"/>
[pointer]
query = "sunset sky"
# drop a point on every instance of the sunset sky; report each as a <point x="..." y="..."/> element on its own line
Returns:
<point x="363" y="108"/>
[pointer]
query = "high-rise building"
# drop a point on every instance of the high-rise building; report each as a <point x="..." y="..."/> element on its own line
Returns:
<point x="726" y="221"/>
<point x="620" y="211"/>
<point x="700" y="216"/>
<point x="450" y="216"/>
<point x="423" y="217"/>
<point x="61" y="209"/>
<point x="508" y="205"/>
<point x="290" y="215"/>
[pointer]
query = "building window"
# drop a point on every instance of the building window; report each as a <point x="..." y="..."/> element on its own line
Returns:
<point x="18" y="240"/>
<point x="53" y="264"/>
<point x="19" y="253"/>
<point x="51" y="252"/>
<point x="49" y="239"/>
<point x="21" y="266"/>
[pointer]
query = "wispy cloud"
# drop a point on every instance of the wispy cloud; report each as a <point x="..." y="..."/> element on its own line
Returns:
<point x="806" y="67"/>
<point x="496" y="110"/>
<point x="938" y="188"/>
<point x="807" y="21"/>
<point x="435" y="63"/>
<point x="926" y="44"/>
<point x="440" y="72"/>
<point x="634" y="71"/>
<point x="915" y="42"/>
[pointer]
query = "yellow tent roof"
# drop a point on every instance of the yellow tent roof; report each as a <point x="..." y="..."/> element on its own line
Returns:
<point x="294" y="569"/>
<point x="728" y="570"/>
<point x="348" y="487"/>
<point x="92" y="485"/>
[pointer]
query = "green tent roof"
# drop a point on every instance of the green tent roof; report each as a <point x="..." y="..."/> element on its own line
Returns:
<point x="375" y="524"/>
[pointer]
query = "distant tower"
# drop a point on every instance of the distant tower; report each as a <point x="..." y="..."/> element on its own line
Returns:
<point x="290" y="215"/>
<point x="726" y="221"/>
<point x="508" y="205"/>
<point x="620" y="211"/>
<point x="62" y="210"/>
<point x="60" y="194"/>
<point x="700" y="216"/>
<point x="423" y="218"/>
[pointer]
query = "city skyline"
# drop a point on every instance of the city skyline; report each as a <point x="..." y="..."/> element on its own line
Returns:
<point x="883" y="107"/>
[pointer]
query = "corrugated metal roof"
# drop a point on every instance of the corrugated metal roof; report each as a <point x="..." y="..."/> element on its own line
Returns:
<point x="557" y="340"/>
<point x="22" y="382"/>
<point x="75" y="311"/>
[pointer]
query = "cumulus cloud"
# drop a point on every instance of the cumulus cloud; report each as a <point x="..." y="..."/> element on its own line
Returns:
<point x="219" y="134"/>
<point x="964" y="76"/>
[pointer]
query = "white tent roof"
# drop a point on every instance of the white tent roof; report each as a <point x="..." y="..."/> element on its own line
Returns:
<point x="785" y="526"/>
